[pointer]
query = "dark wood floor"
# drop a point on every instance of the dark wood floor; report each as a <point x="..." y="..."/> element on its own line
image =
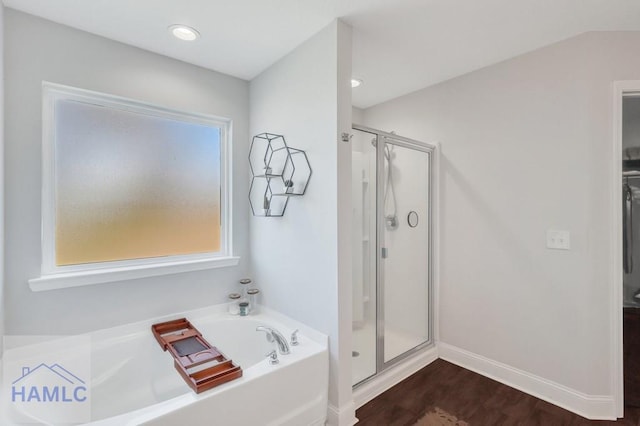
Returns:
<point x="471" y="398"/>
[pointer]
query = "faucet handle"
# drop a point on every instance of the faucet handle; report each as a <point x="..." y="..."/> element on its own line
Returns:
<point x="294" y="338"/>
<point x="273" y="357"/>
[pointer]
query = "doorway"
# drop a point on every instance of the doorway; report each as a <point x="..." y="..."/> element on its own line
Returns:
<point x="625" y="307"/>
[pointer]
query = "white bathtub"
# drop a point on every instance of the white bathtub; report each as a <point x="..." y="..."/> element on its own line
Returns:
<point x="133" y="382"/>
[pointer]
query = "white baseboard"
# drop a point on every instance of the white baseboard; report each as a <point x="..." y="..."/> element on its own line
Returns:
<point x="594" y="407"/>
<point x="343" y="416"/>
<point x="365" y="392"/>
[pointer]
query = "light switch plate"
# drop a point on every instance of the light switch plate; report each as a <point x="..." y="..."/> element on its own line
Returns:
<point x="559" y="240"/>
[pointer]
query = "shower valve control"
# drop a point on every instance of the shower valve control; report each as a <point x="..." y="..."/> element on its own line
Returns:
<point x="559" y="240"/>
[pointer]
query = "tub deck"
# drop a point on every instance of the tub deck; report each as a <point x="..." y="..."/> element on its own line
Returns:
<point x="134" y="382"/>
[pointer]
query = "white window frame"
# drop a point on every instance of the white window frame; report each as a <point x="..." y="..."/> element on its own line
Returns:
<point x="54" y="276"/>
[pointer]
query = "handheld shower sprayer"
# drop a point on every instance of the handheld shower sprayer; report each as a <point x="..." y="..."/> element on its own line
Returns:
<point x="390" y="218"/>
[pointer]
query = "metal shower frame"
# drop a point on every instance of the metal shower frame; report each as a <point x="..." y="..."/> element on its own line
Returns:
<point x="394" y="139"/>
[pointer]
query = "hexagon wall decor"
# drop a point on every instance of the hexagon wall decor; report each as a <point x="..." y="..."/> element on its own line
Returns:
<point x="278" y="172"/>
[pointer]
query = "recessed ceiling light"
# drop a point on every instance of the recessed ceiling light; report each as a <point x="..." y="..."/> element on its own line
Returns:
<point x="355" y="82"/>
<point x="184" y="32"/>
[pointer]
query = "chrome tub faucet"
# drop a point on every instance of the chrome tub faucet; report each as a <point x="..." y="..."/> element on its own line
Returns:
<point x="277" y="337"/>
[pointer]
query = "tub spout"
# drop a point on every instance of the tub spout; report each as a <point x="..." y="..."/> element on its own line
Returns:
<point x="274" y="335"/>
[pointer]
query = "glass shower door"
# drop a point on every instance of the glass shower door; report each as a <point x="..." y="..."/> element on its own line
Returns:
<point x="363" y="189"/>
<point x="391" y="240"/>
<point x="404" y="231"/>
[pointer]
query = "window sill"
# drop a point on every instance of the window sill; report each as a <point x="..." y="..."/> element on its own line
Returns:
<point x="77" y="279"/>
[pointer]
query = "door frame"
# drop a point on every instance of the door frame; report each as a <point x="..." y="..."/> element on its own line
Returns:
<point x="621" y="89"/>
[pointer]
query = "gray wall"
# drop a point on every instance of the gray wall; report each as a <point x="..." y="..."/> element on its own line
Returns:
<point x="302" y="96"/>
<point x="526" y="147"/>
<point x="37" y="50"/>
<point x="2" y="281"/>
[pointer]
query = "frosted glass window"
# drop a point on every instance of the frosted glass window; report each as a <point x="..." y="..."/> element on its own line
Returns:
<point x="133" y="183"/>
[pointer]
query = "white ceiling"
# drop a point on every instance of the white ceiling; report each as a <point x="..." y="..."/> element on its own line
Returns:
<point x="398" y="45"/>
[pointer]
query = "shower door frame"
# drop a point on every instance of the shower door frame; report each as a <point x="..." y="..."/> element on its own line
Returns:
<point x="393" y="139"/>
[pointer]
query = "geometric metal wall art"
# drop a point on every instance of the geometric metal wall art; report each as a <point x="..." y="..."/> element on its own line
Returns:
<point x="278" y="172"/>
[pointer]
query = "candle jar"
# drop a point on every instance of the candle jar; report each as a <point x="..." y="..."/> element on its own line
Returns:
<point x="244" y="309"/>
<point x="233" y="307"/>
<point x="252" y="294"/>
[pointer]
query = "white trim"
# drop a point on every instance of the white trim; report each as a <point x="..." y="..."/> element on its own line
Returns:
<point x="343" y="416"/>
<point x="594" y="407"/>
<point x="368" y="390"/>
<point x="93" y="273"/>
<point x="435" y="248"/>
<point x="620" y="88"/>
<point x="99" y="276"/>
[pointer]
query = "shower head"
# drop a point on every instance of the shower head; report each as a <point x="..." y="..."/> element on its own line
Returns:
<point x="388" y="152"/>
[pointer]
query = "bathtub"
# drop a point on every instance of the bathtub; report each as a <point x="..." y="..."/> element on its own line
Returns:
<point x="133" y="381"/>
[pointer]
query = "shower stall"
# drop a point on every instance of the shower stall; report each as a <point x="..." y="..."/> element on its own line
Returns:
<point x="392" y="237"/>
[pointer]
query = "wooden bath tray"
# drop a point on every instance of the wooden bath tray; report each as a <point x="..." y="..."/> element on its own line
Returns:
<point x="201" y="365"/>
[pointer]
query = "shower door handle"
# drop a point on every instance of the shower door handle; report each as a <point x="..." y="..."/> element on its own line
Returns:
<point x="383" y="253"/>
